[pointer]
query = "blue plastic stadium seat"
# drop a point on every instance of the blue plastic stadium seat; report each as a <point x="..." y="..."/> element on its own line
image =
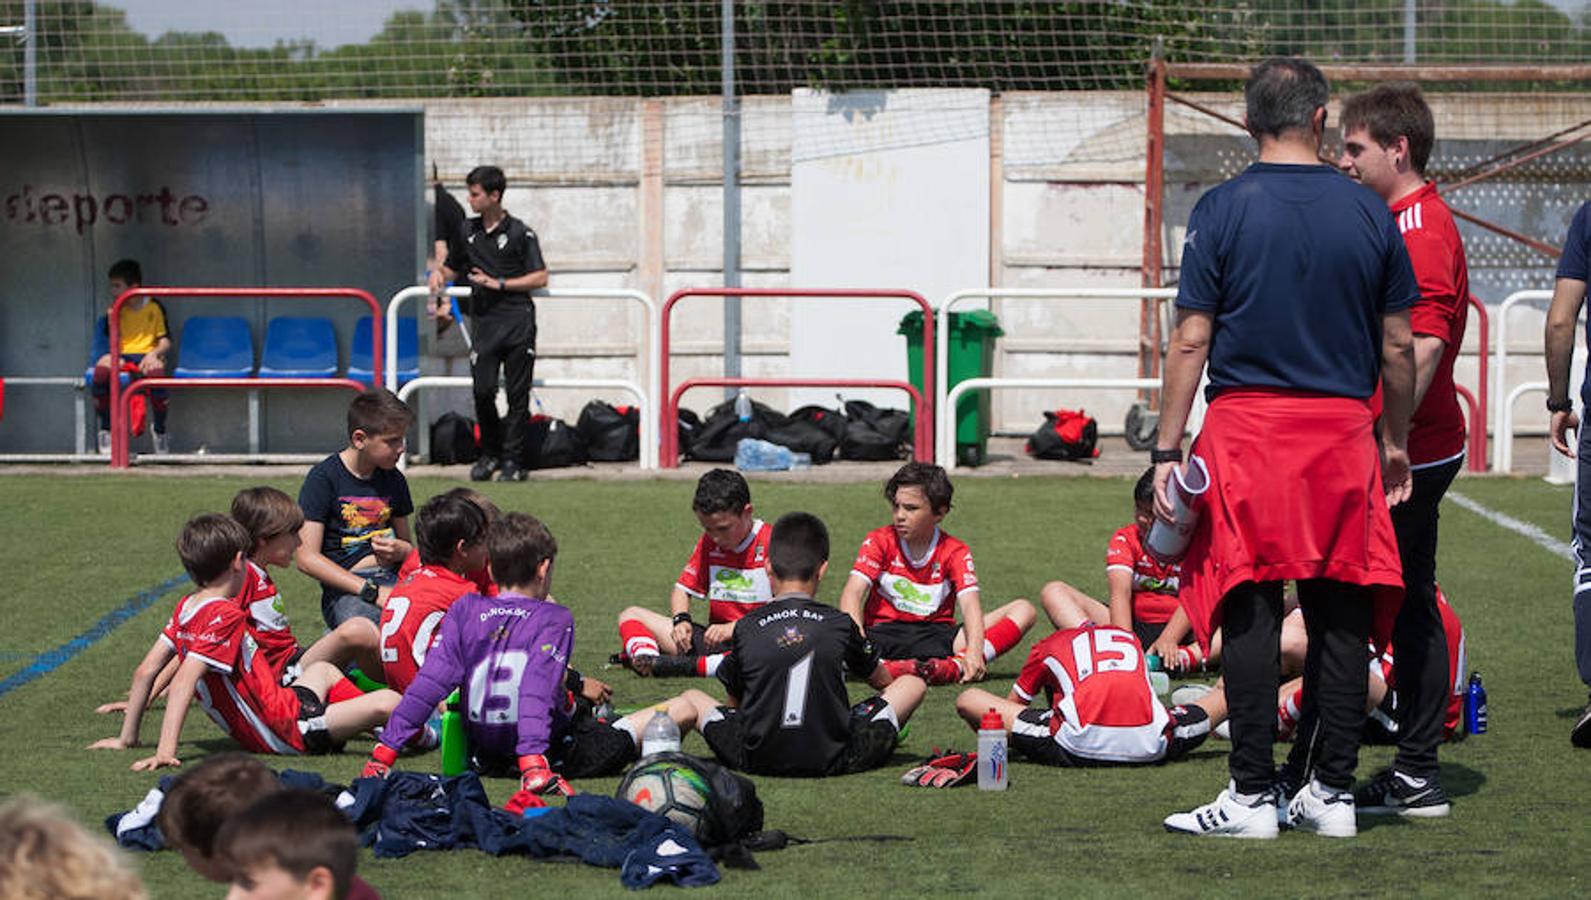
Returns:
<point x="99" y="345"/>
<point x="215" y="347"/>
<point x="299" y="347"/>
<point x="408" y="350"/>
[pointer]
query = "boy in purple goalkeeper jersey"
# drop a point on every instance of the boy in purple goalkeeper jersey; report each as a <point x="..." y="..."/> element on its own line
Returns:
<point x="510" y="654"/>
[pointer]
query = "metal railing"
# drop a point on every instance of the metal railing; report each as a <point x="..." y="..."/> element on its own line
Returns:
<point x="647" y="356"/>
<point x="923" y="423"/>
<point x="80" y="441"/>
<point x="120" y="452"/>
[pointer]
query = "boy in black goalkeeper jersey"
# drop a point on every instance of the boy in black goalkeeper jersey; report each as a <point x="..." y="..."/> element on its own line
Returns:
<point x="788" y="711"/>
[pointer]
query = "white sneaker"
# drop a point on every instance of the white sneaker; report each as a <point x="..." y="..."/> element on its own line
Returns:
<point x="1228" y="817"/>
<point x="162" y="442"/>
<point x="104" y="442"/>
<point x="1322" y="810"/>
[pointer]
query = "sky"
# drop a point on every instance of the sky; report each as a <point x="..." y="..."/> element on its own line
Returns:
<point x="261" y="23"/>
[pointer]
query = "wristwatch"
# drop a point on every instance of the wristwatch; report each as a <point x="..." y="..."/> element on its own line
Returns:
<point x="1563" y="405"/>
<point x="370" y="591"/>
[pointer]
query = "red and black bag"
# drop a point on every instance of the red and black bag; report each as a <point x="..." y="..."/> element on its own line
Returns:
<point x="1065" y="434"/>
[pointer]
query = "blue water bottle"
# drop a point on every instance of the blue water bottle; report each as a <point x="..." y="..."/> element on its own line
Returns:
<point x="1475" y="705"/>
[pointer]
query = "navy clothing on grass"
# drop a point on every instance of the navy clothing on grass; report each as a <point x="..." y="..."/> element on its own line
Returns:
<point x="1273" y="252"/>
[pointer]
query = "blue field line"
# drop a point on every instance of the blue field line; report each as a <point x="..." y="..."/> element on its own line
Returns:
<point x="50" y="660"/>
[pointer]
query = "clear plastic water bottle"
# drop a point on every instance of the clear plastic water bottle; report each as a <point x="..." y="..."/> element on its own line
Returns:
<point x="661" y="734"/>
<point x="992" y="753"/>
<point x="1475" y="705"/>
<point x="756" y="455"/>
<point x="743" y="406"/>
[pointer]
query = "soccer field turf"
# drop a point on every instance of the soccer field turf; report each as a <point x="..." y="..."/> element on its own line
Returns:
<point x="76" y="549"/>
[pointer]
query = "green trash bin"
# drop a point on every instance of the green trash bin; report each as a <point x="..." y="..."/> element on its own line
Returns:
<point x="971" y="355"/>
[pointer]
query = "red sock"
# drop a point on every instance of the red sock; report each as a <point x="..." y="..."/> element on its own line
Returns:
<point x="898" y="667"/>
<point x="343" y="690"/>
<point x="1001" y="636"/>
<point x="637" y="639"/>
<point x="945" y="670"/>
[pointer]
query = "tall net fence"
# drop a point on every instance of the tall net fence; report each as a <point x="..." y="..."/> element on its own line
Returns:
<point x="296" y="50"/>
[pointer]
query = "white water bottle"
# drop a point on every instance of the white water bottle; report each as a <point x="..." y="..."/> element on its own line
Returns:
<point x="993" y="753"/>
<point x="661" y="734"/>
<point x="743" y="406"/>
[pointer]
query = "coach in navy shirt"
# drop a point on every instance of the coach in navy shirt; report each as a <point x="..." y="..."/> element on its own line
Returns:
<point x="1567" y="298"/>
<point x="502" y="259"/>
<point x="1295" y="288"/>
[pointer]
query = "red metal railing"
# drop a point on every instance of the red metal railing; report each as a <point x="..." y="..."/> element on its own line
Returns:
<point x="923" y="425"/>
<point x="119" y="438"/>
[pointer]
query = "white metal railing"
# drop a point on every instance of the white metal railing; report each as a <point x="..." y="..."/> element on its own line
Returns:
<point x="80" y="440"/>
<point x="945" y="441"/>
<point x="1504" y="456"/>
<point x="648" y="426"/>
<point x="647" y="354"/>
<point x="1504" y="398"/>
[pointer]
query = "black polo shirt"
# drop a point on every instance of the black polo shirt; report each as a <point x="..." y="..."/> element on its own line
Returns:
<point x="507" y="251"/>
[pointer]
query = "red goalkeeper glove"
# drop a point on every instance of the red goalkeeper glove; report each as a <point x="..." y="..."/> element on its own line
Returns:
<point x="536" y="777"/>
<point x="380" y="762"/>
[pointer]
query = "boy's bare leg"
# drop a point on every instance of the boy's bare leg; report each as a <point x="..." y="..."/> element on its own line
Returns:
<point x="904" y="695"/>
<point x="1068" y="607"/>
<point x="661" y="627"/>
<point x="972" y="703"/>
<point x="1295" y="644"/>
<point x="356" y="641"/>
<point x="360" y="714"/>
<point x="682" y="709"/>
<point x="998" y="637"/>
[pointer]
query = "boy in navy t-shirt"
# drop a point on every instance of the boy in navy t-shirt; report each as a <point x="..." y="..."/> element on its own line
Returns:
<point x="356" y="511"/>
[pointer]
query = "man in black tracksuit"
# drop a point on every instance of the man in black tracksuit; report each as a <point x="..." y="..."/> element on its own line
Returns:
<point x="502" y="260"/>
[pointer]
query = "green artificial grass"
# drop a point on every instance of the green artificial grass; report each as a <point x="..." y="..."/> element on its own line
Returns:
<point x="77" y="548"/>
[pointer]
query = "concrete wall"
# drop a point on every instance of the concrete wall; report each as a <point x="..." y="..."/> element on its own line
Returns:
<point x="1066" y="211"/>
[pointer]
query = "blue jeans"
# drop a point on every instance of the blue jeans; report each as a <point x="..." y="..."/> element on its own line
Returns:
<point x="337" y="607"/>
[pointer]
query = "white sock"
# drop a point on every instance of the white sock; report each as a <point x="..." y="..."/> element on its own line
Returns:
<point x="989" y="653"/>
<point x="714" y="660"/>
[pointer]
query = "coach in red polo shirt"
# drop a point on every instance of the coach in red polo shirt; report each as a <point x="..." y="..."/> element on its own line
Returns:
<point x="1295" y="287"/>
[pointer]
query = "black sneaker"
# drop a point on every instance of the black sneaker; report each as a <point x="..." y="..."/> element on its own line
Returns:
<point x="1581" y="735"/>
<point x="1393" y="793"/>
<point x="483" y="468"/>
<point x="511" y="471"/>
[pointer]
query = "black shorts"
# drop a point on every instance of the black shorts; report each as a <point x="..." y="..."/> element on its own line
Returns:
<point x="913" y="640"/>
<point x="293" y="669"/>
<point x="872" y="739"/>
<point x="587" y="748"/>
<point x="312" y="723"/>
<point x="1034" y="738"/>
<point x="1149" y="632"/>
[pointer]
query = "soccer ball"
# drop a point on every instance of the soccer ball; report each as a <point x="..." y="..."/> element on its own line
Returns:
<point x="669" y="789"/>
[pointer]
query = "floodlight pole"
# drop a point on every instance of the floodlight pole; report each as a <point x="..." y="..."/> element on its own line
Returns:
<point x="731" y="142"/>
<point x="30" y="58"/>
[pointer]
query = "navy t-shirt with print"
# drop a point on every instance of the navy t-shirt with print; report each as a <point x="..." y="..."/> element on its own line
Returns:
<point x="1297" y="264"/>
<point x="352" y="509"/>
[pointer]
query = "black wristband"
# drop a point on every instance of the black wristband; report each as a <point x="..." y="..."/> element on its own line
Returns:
<point x="682" y="617"/>
<point x="573" y="680"/>
<point x="1158" y="456"/>
<point x="1563" y="405"/>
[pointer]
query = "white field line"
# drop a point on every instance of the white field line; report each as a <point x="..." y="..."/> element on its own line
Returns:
<point x="1540" y="538"/>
